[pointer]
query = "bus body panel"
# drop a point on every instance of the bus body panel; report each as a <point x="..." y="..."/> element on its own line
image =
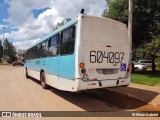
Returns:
<point x="34" y="74"/>
<point x="83" y="85"/>
<point x="105" y="63"/>
<point x="103" y="30"/>
<point x="67" y="84"/>
<point x="67" y="67"/>
<point x="104" y="48"/>
<point x="51" y="65"/>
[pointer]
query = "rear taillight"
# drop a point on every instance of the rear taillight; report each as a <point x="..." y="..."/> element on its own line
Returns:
<point x="83" y="71"/>
<point x="81" y="65"/>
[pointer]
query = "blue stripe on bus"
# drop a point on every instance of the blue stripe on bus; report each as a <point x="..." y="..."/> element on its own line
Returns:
<point x="62" y="66"/>
<point x="50" y="65"/>
<point x="67" y="66"/>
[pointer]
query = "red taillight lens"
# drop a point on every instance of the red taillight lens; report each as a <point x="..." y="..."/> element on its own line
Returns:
<point x="83" y="71"/>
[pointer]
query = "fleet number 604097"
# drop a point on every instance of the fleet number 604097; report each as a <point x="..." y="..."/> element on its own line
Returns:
<point x="103" y="56"/>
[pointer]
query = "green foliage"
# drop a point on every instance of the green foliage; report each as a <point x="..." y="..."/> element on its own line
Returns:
<point x="149" y="50"/>
<point x="158" y="61"/>
<point x="9" y="51"/>
<point x="152" y="49"/>
<point x="61" y="23"/>
<point x="138" y="54"/>
<point x="146" y="78"/>
<point x="68" y="19"/>
<point x="146" y="25"/>
<point x="1" y="51"/>
<point x="146" y="18"/>
<point x="58" y="25"/>
<point x="117" y="10"/>
<point x="0" y="43"/>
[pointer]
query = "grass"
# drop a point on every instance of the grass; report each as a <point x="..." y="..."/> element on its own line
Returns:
<point x="146" y="78"/>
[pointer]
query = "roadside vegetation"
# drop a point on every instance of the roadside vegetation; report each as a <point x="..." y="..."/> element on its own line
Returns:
<point x="146" y="26"/>
<point x="5" y="64"/>
<point x="146" y="78"/>
<point x="146" y="34"/>
<point x="9" y="53"/>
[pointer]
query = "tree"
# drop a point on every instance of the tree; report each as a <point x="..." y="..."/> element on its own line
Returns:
<point x="61" y="23"/>
<point x="55" y="27"/>
<point x="117" y="10"/>
<point x="150" y="51"/>
<point x="9" y="51"/>
<point x="1" y="51"/>
<point x="146" y="18"/>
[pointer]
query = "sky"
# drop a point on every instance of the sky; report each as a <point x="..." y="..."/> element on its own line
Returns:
<point x="27" y="21"/>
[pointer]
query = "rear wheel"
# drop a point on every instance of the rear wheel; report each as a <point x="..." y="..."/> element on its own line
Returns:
<point x="27" y="76"/>
<point x="43" y="81"/>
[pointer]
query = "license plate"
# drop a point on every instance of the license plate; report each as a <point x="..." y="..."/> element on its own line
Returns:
<point x="107" y="71"/>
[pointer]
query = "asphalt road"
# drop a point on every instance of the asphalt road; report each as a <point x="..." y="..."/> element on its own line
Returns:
<point x="21" y="94"/>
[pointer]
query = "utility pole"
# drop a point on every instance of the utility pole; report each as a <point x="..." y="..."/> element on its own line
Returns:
<point x="130" y="26"/>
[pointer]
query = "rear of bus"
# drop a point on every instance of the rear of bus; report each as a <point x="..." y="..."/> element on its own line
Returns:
<point x="102" y="53"/>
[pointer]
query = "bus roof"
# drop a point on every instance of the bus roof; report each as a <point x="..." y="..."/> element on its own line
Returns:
<point x="70" y="23"/>
<point x="107" y="19"/>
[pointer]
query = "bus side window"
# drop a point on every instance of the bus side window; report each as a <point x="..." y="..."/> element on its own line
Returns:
<point x="30" y="53"/>
<point x="44" y="52"/>
<point x="34" y="52"/>
<point x="67" y="41"/>
<point x="39" y="47"/>
<point x="25" y="57"/>
<point x="53" y="46"/>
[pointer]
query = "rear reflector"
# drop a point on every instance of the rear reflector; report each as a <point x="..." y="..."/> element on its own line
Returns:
<point x="93" y="83"/>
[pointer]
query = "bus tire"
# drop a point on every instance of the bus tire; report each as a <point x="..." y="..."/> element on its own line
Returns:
<point x="27" y="76"/>
<point x="43" y="81"/>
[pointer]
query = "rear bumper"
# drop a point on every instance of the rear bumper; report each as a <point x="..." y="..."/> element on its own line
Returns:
<point x="83" y="85"/>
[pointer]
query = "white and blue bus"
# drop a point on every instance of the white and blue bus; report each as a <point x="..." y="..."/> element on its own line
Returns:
<point x="88" y="52"/>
